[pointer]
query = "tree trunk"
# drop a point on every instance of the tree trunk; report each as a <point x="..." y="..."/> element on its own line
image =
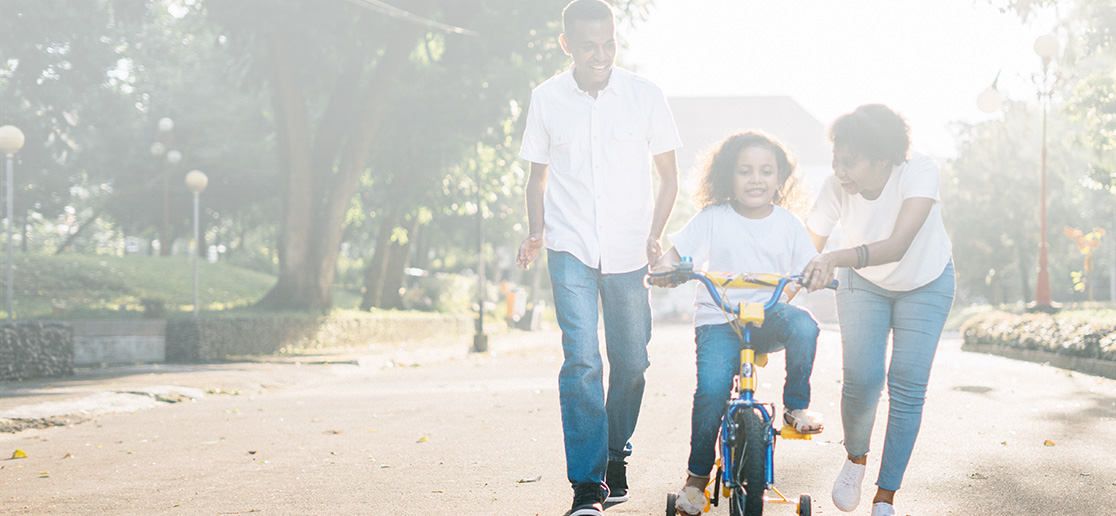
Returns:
<point x="315" y="196"/>
<point x="374" y="272"/>
<point x="399" y="255"/>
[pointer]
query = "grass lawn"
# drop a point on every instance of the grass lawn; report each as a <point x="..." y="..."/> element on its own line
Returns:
<point x="76" y="286"/>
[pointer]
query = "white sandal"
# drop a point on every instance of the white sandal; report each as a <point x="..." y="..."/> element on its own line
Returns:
<point x="804" y="421"/>
<point x="692" y="501"/>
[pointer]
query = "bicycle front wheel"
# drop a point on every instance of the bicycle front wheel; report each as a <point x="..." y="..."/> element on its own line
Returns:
<point x="748" y="461"/>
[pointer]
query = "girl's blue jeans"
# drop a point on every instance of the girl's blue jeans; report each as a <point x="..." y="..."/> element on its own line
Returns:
<point x="718" y="359"/>
<point x="913" y="319"/>
<point x="597" y="428"/>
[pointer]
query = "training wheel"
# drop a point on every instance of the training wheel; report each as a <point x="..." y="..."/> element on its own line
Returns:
<point x="671" y="500"/>
<point x="804" y="505"/>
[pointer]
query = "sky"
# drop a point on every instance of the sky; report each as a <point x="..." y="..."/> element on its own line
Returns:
<point x="927" y="59"/>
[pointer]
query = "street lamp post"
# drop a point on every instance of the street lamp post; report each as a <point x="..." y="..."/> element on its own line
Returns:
<point x="163" y="148"/>
<point x="480" y="340"/>
<point x="196" y="181"/>
<point x="11" y="140"/>
<point x="1046" y="46"/>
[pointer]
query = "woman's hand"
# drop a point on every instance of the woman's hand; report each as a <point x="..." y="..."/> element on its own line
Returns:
<point x="529" y="250"/>
<point x="820" y="271"/>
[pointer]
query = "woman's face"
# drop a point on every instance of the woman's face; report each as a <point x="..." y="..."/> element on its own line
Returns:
<point x="859" y="174"/>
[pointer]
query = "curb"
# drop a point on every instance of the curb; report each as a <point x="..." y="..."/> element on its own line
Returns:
<point x="1090" y="366"/>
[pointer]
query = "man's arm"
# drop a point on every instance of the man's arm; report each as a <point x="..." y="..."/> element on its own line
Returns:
<point x="536" y="187"/>
<point x="666" y="164"/>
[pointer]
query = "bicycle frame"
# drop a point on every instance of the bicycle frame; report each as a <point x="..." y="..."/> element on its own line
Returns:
<point x="747" y="316"/>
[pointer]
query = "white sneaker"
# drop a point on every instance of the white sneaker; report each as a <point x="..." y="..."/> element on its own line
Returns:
<point x="883" y="509"/>
<point x="846" y="489"/>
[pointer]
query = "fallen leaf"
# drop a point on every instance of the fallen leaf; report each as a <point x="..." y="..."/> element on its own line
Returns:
<point x="527" y="480"/>
<point x="251" y="452"/>
<point x="1049" y="442"/>
<point x="332" y="432"/>
<point x="422" y="440"/>
<point x="977" y="476"/>
<point x="68" y="456"/>
<point x="438" y="491"/>
<point x="19" y="454"/>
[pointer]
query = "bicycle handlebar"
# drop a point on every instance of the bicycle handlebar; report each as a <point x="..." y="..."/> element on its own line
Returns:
<point x="684" y="272"/>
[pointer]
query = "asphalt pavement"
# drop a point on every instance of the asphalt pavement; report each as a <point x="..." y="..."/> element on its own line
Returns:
<point x="430" y="429"/>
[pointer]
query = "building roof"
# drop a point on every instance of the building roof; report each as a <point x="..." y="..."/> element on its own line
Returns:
<point x="705" y="121"/>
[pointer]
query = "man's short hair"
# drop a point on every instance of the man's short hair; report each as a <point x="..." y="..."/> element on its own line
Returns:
<point x="585" y="10"/>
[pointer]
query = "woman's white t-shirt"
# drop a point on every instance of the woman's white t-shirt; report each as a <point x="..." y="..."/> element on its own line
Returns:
<point x="867" y="221"/>
<point x="719" y="239"/>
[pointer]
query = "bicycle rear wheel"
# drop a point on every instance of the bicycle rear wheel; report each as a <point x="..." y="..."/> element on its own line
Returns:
<point x="747" y="450"/>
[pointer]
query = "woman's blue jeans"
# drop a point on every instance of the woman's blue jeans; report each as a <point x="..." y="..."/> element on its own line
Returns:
<point x="914" y="319"/>
<point x="597" y="428"/>
<point x="718" y="358"/>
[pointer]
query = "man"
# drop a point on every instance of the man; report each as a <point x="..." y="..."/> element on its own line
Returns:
<point x="595" y="130"/>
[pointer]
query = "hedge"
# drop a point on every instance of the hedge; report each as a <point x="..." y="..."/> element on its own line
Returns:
<point x="35" y="349"/>
<point x="1086" y="334"/>
<point x="210" y="339"/>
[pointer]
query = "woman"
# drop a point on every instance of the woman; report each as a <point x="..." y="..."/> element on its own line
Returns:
<point x="896" y="279"/>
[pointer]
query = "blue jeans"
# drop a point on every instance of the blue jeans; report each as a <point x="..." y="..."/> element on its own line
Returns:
<point x="914" y="319"/>
<point x="597" y="428"/>
<point x="718" y="358"/>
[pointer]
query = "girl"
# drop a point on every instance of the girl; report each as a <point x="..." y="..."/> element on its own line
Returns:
<point x="887" y="200"/>
<point x="742" y="228"/>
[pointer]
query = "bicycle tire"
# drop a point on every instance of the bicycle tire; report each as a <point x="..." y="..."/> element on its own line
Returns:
<point x="749" y="465"/>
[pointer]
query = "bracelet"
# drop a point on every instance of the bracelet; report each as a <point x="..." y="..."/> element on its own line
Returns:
<point x="861" y="256"/>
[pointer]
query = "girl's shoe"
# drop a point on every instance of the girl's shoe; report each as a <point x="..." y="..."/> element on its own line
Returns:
<point x="883" y="509"/>
<point x="692" y="501"/>
<point x="846" y="489"/>
<point x="804" y="421"/>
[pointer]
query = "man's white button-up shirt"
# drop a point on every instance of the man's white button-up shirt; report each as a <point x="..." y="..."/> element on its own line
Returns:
<point x="599" y="202"/>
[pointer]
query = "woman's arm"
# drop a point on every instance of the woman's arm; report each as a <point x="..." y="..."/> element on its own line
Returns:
<point x="912" y="215"/>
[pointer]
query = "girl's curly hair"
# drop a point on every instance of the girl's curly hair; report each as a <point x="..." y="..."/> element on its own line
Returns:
<point x="716" y="185"/>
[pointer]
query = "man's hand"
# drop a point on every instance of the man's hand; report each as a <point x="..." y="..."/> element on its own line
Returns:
<point x="529" y="250"/>
<point x="654" y="250"/>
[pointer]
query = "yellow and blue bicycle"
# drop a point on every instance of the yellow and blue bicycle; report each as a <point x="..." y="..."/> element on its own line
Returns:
<point x="746" y="444"/>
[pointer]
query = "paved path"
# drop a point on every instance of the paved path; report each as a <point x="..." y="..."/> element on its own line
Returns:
<point x="436" y="431"/>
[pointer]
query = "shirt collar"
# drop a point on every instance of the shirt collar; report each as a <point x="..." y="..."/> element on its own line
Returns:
<point x="617" y="81"/>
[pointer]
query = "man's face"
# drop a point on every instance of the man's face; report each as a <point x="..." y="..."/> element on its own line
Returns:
<point x="592" y="45"/>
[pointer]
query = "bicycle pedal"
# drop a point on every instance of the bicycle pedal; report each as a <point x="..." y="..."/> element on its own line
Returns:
<point x="788" y="432"/>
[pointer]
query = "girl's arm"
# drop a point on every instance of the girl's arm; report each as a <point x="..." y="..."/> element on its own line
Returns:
<point x="912" y="215"/>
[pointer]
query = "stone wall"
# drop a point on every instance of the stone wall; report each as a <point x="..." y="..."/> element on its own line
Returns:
<point x="35" y="349"/>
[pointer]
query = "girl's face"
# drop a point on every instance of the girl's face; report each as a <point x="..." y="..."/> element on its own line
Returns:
<point x="755" y="181"/>
<point x="858" y="174"/>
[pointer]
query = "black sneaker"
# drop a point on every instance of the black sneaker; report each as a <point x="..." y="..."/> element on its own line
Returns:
<point x="588" y="500"/>
<point x="616" y="477"/>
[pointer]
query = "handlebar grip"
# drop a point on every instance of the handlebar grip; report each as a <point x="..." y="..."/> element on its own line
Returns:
<point x="833" y="285"/>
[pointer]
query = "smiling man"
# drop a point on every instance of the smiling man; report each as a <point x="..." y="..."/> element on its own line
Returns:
<point x="593" y="132"/>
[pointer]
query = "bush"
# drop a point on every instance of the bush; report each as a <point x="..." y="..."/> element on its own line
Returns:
<point x="35" y="349"/>
<point x="1085" y="333"/>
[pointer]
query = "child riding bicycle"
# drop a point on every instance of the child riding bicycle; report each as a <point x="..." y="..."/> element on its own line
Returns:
<point x="743" y="226"/>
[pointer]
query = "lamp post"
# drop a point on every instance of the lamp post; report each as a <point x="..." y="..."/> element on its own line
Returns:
<point x="1046" y="46"/>
<point x="163" y="148"/>
<point x="480" y="340"/>
<point x="11" y="140"/>
<point x="196" y="181"/>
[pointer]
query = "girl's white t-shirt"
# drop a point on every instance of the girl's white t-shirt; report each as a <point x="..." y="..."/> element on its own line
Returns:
<point x="867" y="221"/>
<point x="720" y="240"/>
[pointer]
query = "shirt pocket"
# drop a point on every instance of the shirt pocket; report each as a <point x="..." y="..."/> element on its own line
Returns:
<point x="561" y="150"/>
<point x="630" y="144"/>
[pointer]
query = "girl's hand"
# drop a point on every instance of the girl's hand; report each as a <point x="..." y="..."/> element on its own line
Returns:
<point x="819" y="272"/>
<point x="661" y="281"/>
<point x="529" y="250"/>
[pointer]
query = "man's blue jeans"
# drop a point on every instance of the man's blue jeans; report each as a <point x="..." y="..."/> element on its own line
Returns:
<point x="597" y="428"/>
<point x="718" y="358"/>
<point x="914" y="319"/>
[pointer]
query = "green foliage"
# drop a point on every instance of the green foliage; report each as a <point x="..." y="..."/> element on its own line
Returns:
<point x="1082" y="333"/>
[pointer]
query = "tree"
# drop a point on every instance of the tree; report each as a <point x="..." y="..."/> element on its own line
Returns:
<point x="335" y="69"/>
